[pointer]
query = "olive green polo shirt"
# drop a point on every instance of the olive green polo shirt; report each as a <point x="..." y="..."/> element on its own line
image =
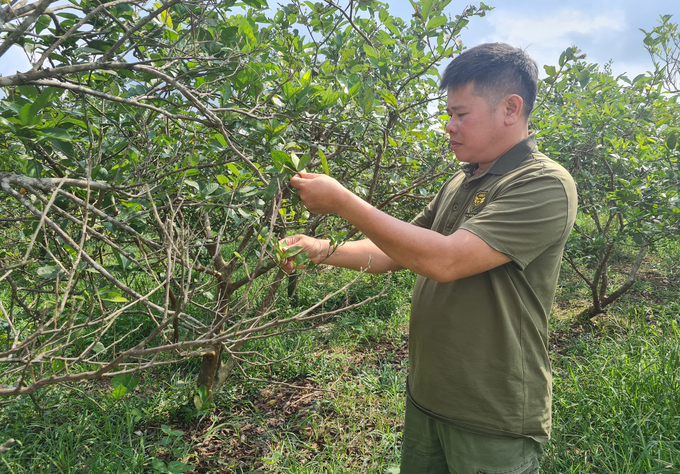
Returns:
<point x="478" y="346"/>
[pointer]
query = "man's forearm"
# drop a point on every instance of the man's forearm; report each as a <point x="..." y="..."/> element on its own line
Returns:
<point x="360" y="255"/>
<point x="428" y="253"/>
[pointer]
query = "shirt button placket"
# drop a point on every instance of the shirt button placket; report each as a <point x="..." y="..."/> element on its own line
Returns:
<point x="461" y="195"/>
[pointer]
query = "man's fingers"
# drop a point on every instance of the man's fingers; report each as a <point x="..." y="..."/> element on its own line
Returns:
<point x="301" y="177"/>
<point x="287" y="265"/>
<point x="288" y="241"/>
<point x="305" y="175"/>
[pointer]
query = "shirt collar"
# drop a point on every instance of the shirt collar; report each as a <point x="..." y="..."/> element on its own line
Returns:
<point x="511" y="158"/>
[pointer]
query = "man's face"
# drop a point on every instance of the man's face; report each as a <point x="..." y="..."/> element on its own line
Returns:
<point x="474" y="129"/>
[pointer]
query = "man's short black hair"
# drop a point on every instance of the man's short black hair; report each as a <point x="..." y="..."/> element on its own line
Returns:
<point x="496" y="70"/>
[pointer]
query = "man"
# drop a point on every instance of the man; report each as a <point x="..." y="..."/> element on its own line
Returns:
<point x="487" y="251"/>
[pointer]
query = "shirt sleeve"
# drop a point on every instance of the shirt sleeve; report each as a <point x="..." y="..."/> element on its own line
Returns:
<point x="525" y="218"/>
<point x="426" y="217"/>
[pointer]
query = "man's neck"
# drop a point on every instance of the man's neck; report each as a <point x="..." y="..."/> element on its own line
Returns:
<point x="510" y="143"/>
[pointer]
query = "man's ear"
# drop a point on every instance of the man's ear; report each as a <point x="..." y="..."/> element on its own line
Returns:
<point x="513" y="109"/>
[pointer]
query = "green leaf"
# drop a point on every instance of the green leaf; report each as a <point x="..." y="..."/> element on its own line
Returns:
<point x="119" y="392"/>
<point x="550" y="70"/>
<point x="209" y="189"/>
<point x="367" y="98"/>
<point x="128" y="381"/>
<point x="436" y="22"/>
<point x="389" y="98"/>
<point x="304" y="161"/>
<point x="279" y="158"/>
<point x="395" y="31"/>
<point x="65" y="147"/>
<point x="294" y="161"/>
<point x="226" y="93"/>
<point x="306" y="78"/>
<point x="232" y="167"/>
<point x="123" y="262"/>
<point x="30" y="92"/>
<point x="49" y="271"/>
<point x="202" y="393"/>
<point x="176" y="467"/>
<point x="5" y="123"/>
<point x="220" y="138"/>
<point x="158" y="465"/>
<point x="58" y="365"/>
<point x="133" y="382"/>
<point x="170" y="432"/>
<point x="371" y="52"/>
<point x="274" y="185"/>
<point x="301" y="258"/>
<point x="42" y="99"/>
<point x="137" y="414"/>
<point x="256" y="3"/>
<point x="119" y="380"/>
<point x="26" y="115"/>
<point x="425" y="7"/>
<point x="324" y="163"/>
<point x="291" y="252"/>
<point x="193" y="184"/>
<point x="672" y="141"/>
<point x="42" y="23"/>
<point x="202" y="401"/>
<point x="98" y="347"/>
<point x="114" y="298"/>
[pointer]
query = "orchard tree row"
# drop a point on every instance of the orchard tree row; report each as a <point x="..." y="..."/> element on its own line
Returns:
<point x="146" y="151"/>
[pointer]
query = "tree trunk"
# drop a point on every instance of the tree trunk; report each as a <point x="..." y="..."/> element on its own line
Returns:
<point x="210" y="365"/>
<point x="604" y="301"/>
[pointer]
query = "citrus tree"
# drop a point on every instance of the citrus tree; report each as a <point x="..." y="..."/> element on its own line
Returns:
<point x="663" y="45"/>
<point x="144" y="161"/>
<point x="619" y="138"/>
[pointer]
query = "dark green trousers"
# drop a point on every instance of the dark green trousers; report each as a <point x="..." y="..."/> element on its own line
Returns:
<point x="432" y="447"/>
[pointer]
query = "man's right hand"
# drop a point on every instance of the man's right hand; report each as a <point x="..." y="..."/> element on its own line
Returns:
<point x="316" y="249"/>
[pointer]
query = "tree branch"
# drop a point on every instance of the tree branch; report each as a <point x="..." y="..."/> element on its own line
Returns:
<point x="19" y="31"/>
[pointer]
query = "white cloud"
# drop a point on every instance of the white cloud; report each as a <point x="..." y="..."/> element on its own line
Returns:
<point x="546" y="34"/>
<point x="555" y="28"/>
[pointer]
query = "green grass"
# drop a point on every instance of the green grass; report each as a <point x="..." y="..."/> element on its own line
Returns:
<point x="616" y="401"/>
<point x="616" y="398"/>
<point x="82" y="435"/>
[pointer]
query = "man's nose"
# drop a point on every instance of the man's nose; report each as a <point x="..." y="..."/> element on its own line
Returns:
<point x="451" y="126"/>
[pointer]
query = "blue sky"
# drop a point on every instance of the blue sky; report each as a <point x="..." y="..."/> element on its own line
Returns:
<point x="603" y="29"/>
